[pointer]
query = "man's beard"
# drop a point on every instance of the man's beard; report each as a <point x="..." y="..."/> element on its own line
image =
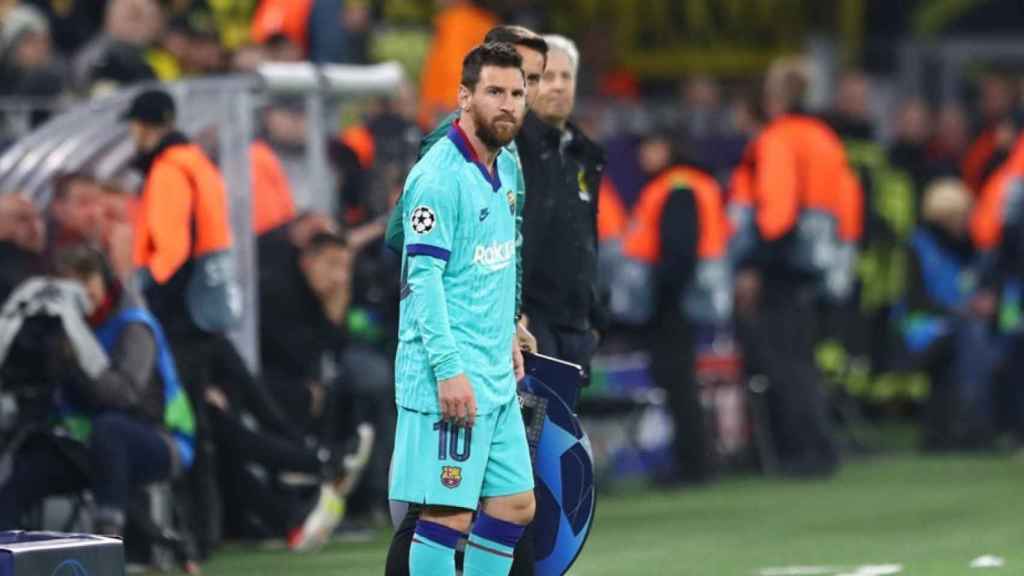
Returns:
<point x="488" y="134"/>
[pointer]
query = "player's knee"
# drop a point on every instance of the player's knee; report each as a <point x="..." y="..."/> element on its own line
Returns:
<point x="455" y="518"/>
<point x="526" y="509"/>
<point x="518" y="509"/>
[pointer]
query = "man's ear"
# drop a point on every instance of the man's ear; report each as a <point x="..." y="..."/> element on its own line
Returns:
<point x="465" y="96"/>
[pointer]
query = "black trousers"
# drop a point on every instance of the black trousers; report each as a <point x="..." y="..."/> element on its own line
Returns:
<point x="195" y="354"/>
<point x="674" y="369"/>
<point x="778" y="342"/>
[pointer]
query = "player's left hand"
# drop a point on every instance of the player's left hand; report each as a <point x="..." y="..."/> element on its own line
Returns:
<point x="518" y="365"/>
<point x="527" y="341"/>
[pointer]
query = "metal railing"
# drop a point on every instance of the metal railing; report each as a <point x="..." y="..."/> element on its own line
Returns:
<point x="88" y="137"/>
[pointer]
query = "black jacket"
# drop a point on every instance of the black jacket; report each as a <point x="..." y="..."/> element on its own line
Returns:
<point x="562" y="173"/>
<point x="295" y="333"/>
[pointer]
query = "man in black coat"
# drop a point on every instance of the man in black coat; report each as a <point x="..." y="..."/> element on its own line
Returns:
<point x="562" y="169"/>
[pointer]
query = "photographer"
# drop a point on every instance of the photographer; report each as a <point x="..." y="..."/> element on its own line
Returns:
<point x="124" y="420"/>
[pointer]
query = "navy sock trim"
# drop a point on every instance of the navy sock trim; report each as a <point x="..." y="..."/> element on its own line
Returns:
<point x="499" y="531"/>
<point x="443" y="535"/>
<point x="488" y="550"/>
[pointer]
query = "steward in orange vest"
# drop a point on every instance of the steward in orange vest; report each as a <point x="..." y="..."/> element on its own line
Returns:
<point x="182" y="233"/>
<point x="705" y="279"/>
<point x="795" y="203"/>
<point x="795" y="191"/>
<point x="674" y="277"/>
<point x="1001" y="197"/>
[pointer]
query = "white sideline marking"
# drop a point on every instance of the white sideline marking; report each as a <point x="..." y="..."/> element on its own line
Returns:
<point x="866" y="570"/>
<point x="799" y="571"/>
<point x="988" y="561"/>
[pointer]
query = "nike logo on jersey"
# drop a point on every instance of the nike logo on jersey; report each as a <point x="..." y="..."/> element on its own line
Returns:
<point x="484" y="214"/>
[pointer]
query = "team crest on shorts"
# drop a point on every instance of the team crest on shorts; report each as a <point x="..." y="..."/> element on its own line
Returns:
<point x="451" y="476"/>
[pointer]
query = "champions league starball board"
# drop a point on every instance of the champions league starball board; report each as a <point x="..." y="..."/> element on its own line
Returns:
<point x="563" y="464"/>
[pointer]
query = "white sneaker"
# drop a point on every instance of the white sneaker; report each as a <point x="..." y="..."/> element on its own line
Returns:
<point x="355" y="463"/>
<point x="316" y="530"/>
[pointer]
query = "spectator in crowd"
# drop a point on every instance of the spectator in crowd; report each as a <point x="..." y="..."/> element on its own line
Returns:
<point x="318" y="360"/>
<point x="29" y="68"/>
<point x="282" y="48"/>
<point x="117" y="56"/>
<point x="316" y="288"/>
<point x="949" y="140"/>
<point x="73" y="22"/>
<point x="76" y="210"/>
<point x="125" y="417"/>
<point x="909" y="148"/>
<point x="704" y="121"/>
<point x="851" y="114"/>
<point x="205" y="56"/>
<point x="948" y="322"/>
<point x="701" y="106"/>
<point x="189" y="46"/>
<point x="995" y="107"/>
<point x="22" y="239"/>
<point x="339" y="32"/>
<point x="284" y="131"/>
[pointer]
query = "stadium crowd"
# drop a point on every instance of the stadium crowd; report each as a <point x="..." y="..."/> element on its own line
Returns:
<point x="911" y="220"/>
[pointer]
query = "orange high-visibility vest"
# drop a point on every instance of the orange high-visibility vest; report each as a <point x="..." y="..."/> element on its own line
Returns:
<point x="272" y="201"/>
<point x="456" y="31"/>
<point x="183" y="212"/>
<point x="612" y="217"/>
<point x="288" y="17"/>
<point x="798" y="163"/>
<point x="708" y="298"/>
<point x="987" y="218"/>
<point x="972" y="168"/>
<point x="361" y="141"/>
<point x="643" y="237"/>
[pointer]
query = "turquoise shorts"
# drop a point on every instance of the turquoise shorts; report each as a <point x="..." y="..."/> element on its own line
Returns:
<point x="438" y="464"/>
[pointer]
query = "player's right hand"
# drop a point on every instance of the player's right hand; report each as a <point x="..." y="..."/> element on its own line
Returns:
<point x="458" y="404"/>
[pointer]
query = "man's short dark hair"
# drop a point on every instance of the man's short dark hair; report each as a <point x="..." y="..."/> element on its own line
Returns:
<point x="63" y="180"/>
<point x="518" y="36"/>
<point x="794" y="89"/>
<point x="323" y="240"/>
<point x="82" y="260"/>
<point x="499" y="54"/>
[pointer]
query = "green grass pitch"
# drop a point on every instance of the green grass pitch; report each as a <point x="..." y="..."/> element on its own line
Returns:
<point x="930" y="516"/>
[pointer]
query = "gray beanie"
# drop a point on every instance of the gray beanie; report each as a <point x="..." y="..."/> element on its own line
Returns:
<point x="19" y="21"/>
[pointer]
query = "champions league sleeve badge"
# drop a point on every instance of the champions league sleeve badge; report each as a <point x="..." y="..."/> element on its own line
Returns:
<point x="423" y="220"/>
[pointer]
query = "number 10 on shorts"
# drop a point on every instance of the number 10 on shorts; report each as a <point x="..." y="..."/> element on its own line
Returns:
<point x="448" y="441"/>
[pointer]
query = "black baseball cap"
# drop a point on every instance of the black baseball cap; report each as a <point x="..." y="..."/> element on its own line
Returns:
<point x="151" y="107"/>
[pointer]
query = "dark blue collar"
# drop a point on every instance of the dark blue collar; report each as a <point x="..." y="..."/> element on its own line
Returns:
<point x="458" y="136"/>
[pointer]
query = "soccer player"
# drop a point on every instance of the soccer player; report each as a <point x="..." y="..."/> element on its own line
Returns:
<point x="460" y="438"/>
<point x="533" y="50"/>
